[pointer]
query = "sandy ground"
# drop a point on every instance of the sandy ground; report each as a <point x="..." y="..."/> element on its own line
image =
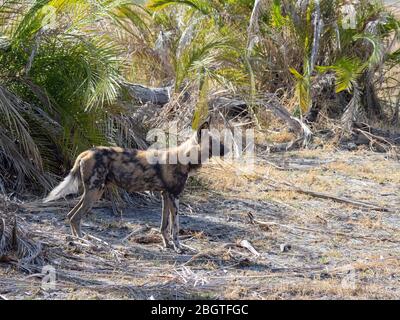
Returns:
<point x="306" y="247"/>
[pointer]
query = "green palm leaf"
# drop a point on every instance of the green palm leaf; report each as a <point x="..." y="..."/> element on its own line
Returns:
<point x="302" y="90"/>
<point x="347" y="70"/>
<point x="200" y="5"/>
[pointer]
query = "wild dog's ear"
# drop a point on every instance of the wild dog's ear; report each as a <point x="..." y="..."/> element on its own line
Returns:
<point x="205" y="125"/>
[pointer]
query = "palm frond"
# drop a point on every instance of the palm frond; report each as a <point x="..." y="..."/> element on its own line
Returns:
<point x="347" y="70"/>
<point x="200" y="5"/>
<point x="302" y="90"/>
<point x="16" y="125"/>
<point x="377" y="48"/>
<point x="201" y="56"/>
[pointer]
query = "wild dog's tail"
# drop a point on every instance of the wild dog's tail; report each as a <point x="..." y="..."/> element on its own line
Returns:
<point x="69" y="185"/>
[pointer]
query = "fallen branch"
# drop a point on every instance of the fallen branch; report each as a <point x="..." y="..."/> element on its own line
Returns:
<point x="185" y="246"/>
<point x="321" y="195"/>
<point x="380" y="144"/>
<point x="158" y="96"/>
<point x="303" y="132"/>
<point x="198" y="256"/>
<point x="336" y="233"/>
<point x="237" y="105"/>
<point x="377" y="139"/>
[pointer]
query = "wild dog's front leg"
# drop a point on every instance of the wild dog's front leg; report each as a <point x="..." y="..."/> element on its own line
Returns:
<point x="165" y="218"/>
<point x="175" y="223"/>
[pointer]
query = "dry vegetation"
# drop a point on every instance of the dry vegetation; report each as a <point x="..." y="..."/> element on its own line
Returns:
<point x="305" y="246"/>
<point x="317" y="217"/>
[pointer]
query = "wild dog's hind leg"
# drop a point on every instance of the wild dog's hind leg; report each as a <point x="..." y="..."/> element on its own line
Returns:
<point x="93" y="174"/>
<point x="74" y="209"/>
<point x="72" y="212"/>
<point x="166" y="208"/>
<point x="88" y="199"/>
<point x="174" y="221"/>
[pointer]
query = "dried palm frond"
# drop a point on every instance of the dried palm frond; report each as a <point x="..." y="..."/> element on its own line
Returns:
<point x="16" y="246"/>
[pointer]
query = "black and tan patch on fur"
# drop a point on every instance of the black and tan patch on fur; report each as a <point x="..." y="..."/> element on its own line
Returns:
<point x="131" y="170"/>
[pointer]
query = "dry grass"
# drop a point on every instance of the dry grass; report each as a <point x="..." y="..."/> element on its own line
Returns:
<point x="376" y="171"/>
<point x="329" y="241"/>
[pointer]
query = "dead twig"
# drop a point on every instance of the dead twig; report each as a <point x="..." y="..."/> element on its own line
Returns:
<point x="246" y="244"/>
<point x="242" y="244"/>
<point x="185" y="246"/>
<point x="197" y="256"/>
<point x="136" y="231"/>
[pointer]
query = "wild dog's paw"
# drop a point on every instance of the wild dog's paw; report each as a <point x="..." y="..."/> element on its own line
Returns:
<point x="178" y="250"/>
<point x="167" y="244"/>
<point x="177" y="247"/>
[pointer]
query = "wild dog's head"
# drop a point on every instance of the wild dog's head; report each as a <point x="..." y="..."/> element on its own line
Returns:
<point x="210" y="141"/>
<point x="204" y="144"/>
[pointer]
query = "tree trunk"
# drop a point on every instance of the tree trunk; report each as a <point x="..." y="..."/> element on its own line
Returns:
<point x="143" y="94"/>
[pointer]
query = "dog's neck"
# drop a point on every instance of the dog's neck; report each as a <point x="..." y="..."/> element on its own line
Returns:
<point x="193" y="148"/>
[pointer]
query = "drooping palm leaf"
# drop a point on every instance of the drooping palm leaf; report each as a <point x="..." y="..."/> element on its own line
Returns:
<point x="302" y="90"/>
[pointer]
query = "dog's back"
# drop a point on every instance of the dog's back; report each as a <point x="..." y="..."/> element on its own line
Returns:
<point x="133" y="170"/>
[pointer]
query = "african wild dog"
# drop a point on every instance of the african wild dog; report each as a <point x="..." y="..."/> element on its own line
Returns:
<point x="138" y="170"/>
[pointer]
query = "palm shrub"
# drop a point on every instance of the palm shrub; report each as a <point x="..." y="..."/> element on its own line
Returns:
<point x="59" y="82"/>
<point x="300" y="40"/>
<point x="281" y="46"/>
<point x="203" y="43"/>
